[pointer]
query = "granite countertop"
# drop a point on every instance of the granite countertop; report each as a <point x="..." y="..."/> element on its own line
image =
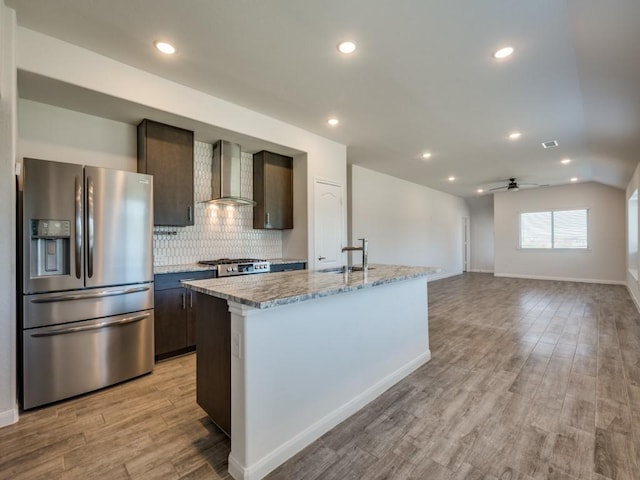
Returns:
<point x="270" y="290"/>
<point x="196" y="267"/>
<point x="187" y="267"/>
<point x="280" y="261"/>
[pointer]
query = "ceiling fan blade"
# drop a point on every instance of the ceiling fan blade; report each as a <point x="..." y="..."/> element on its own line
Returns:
<point x="497" y="188"/>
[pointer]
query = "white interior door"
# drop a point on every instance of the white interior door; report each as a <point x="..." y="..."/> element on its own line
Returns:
<point x="328" y="225"/>
<point x="466" y="247"/>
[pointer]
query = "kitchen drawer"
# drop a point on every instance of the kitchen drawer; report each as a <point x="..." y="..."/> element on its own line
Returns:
<point x="165" y="281"/>
<point x="45" y="309"/>
<point x="285" y="267"/>
<point x="49" y="375"/>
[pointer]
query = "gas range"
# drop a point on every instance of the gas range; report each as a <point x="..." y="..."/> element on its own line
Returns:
<point x="228" y="267"/>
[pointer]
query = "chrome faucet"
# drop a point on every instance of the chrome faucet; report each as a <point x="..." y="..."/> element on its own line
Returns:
<point x="364" y="249"/>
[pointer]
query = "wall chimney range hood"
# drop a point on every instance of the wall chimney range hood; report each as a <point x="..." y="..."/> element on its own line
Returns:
<point x="225" y="175"/>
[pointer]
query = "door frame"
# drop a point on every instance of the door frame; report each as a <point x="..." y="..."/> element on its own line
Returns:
<point x="466" y="244"/>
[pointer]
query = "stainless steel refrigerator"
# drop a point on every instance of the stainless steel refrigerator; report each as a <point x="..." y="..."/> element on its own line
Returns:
<point x="86" y="312"/>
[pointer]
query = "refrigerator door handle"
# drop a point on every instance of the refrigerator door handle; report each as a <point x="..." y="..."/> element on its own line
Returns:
<point x="97" y="326"/>
<point x="85" y="296"/>
<point x="90" y="227"/>
<point x="78" y="227"/>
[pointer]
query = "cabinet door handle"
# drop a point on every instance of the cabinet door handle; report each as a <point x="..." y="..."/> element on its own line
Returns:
<point x="189" y="216"/>
<point x="184" y="301"/>
<point x="322" y="258"/>
<point x="122" y="321"/>
<point x="267" y="218"/>
<point x="90" y="226"/>
<point x="190" y="299"/>
<point x="78" y="228"/>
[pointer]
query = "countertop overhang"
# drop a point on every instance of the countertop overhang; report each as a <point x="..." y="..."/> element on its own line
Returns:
<point x="274" y="289"/>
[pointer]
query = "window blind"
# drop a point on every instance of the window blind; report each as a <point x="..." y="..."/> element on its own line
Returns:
<point x="554" y="229"/>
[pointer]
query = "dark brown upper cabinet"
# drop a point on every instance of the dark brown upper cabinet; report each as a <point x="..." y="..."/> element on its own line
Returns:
<point x="273" y="191"/>
<point x="166" y="152"/>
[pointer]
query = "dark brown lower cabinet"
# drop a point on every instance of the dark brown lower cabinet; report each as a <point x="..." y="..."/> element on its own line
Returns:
<point x="286" y="267"/>
<point x="213" y="359"/>
<point x="175" y="314"/>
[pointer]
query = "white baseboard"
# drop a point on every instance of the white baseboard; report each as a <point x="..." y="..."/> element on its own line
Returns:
<point x="562" y="279"/>
<point x="479" y="270"/>
<point x="288" y="449"/>
<point x="440" y="276"/>
<point x="633" y="297"/>
<point x="9" y="417"/>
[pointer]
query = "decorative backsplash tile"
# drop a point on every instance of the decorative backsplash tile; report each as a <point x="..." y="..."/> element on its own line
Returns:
<point x="218" y="231"/>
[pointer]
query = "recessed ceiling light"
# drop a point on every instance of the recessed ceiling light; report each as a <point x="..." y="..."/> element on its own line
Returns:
<point x="480" y="190"/>
<point x="565" y="161"/>
<point x="503" y="53"/>
<point x="333" y="121"/>
<point x="165" y="47"/>
<point x="426" y="155"/>
<point x="451" y="179"/>
<point x="346" y="47"/>
<point x="574" y="179"/>
<point x="515" y="135"/>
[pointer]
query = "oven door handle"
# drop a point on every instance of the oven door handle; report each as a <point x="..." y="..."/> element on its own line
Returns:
<point x="97" y="326"/>
<point x="86" y="296"/>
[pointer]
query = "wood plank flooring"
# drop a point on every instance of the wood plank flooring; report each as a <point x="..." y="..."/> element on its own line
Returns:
<point x="528" y="380"/>
<point x="147" y="428"/>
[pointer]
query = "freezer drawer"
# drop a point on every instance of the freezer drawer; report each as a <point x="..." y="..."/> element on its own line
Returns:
<point x="67" y="360"/>
<point x="55" y="308"/>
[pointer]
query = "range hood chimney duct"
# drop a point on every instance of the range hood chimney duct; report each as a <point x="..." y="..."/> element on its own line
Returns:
<point x="225" y="175"/>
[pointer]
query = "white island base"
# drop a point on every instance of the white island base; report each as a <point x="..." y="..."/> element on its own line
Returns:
<point x="298" y="370"/>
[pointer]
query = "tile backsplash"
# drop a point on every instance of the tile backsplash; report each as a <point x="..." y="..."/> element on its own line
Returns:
<point x="218" y="231"/>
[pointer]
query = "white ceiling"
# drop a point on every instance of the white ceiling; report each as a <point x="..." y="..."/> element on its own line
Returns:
<point x="422" y="78"/>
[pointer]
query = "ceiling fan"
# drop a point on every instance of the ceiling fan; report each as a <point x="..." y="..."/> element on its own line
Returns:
<point x="514" y="186"/>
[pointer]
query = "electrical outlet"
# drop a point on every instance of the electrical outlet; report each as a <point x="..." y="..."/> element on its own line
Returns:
<point x="236" y="345"/>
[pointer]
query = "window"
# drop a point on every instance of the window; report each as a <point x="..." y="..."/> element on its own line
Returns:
<point x="555" y="229"/>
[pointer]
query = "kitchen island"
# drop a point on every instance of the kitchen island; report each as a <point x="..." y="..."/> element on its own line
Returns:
<point x="308" y="349"/>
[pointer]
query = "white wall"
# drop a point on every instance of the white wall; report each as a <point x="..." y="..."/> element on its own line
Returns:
<point x="53" y="133"/>
<point x="63" y="135"/>
<point x="632" y="284"/>
<point x="603" y="262"/>
<point x="52" y="58"/>
<point x="295" y="241"/>
<point x="406" y="223"/>
<point x="8" y="121"/>
<point x="482" y="239"/>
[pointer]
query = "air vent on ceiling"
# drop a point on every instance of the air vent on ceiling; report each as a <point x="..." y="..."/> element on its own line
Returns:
<point x="550" y="144"/>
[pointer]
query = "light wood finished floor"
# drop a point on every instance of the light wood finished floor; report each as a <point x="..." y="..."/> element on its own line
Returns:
<point x="528" y="379"/>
